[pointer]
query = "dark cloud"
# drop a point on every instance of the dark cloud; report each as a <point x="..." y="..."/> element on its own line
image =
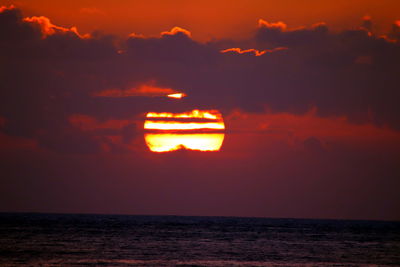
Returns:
<point x="313" y="145"/>
<point x="14" y="30"/>
<point x="60" y="129"/>
<point x="50" y="72"/>
<point x="278" y="35"/>
<point x="367" y="23"/>
<point x="321" y="69"/>
<point x="395" y="32"/>
<point x="275" y="180"/>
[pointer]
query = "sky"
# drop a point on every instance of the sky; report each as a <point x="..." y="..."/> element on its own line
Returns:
<point x="304" y="95"/>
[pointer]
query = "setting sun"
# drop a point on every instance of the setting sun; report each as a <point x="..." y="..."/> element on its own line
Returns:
<point x="172" y="142"/>
<point x="173" y="131"/>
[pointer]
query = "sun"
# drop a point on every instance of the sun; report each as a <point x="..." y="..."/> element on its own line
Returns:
<point x="201" y="130"/>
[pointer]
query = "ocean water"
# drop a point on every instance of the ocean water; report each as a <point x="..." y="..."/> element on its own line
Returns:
<point x="117" y="240"/>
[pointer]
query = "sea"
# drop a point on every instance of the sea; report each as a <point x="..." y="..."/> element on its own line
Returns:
<point x="28" y="239"/>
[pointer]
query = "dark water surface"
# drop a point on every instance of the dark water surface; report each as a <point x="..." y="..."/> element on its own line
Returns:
<point x="116" y="240"/>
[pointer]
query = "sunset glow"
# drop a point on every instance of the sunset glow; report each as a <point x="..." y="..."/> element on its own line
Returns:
<point x="256" y="52"/>
<point x="177" y="95"/>
<point x="180" y="130"/>
<point x="167" y="125"/>
<point x="198" y="114"/>
<point x="172" y="142"/>
<point x="48" y="28"/>
<point x="176" y="30"/>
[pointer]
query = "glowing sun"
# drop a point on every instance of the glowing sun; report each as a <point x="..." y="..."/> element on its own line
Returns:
<point x="195" y="130"/>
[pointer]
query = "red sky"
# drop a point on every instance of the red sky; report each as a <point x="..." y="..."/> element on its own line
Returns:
<point x="208" y="19"/>
<point x="310" y="113"/>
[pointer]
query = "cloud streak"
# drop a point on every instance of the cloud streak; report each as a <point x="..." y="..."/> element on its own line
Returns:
<point x="256" y="52"/>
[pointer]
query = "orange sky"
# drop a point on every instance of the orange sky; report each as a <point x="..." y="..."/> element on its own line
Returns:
<point x="207" y="19"/>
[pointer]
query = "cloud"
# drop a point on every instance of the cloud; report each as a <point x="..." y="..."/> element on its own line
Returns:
<point x="148" y="89"/>
<point x="2" y="122"/>
<point x="47" y="28"/>
<point x="367" y="23"/>
<point x="278" y="34"/>
<point x="272" y="25"/>
<point x="11" y="143"/>
<point x="316" y="124"/>
<point x="313" y="145"/>
<point x="5" y="8"/>
<point x="88" y="123"/>
<point x="53" y="72"/>
<point x="296" y="128"/>
<point x="395" y="32"/>
<point x="111" y="135"/>
<point x="256" y="52"/>
<point x="177" y="31"/>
